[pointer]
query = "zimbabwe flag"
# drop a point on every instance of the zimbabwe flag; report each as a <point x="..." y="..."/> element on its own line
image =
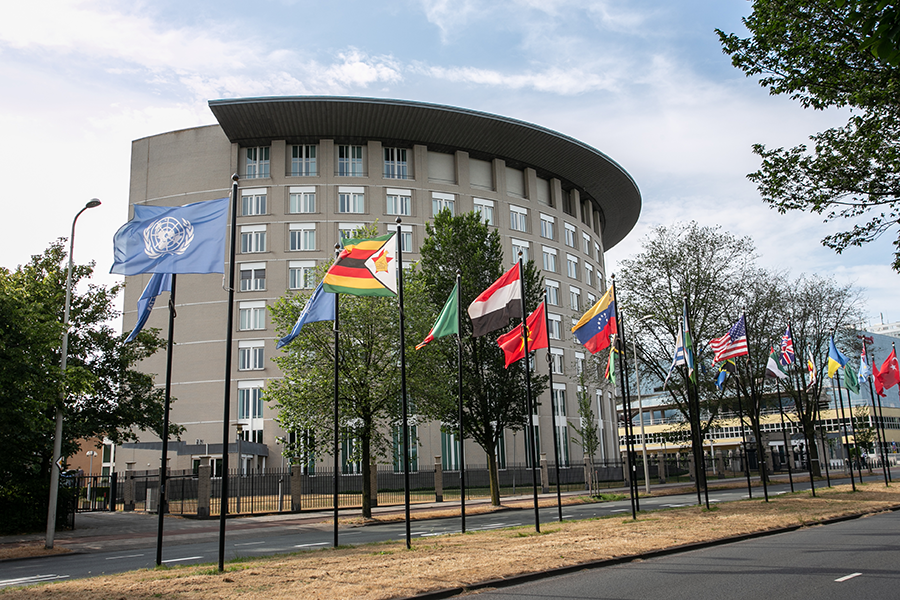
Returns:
<point x="365" y="268"/>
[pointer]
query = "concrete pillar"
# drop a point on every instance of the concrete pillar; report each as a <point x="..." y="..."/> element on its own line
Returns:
<point x="626" y="474"/>
<point x="373" y="481"/>
<point x="438" y="480"/>
<point x="129" y="487"/>
<point x="296" y="487"/>
<point x="720" y="465"/>
<point x="691" y="472"/>
<point x="204" y="487"/>
<point x="661" y="462"/>
<point x="545" y="474"/>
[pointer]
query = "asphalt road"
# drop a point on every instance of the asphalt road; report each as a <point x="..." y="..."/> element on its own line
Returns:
<point x="842" y="561"/>
<point x="131" y="554"/>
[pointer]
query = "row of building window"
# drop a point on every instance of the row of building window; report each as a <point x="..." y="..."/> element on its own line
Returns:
<point x="302" y="237"/>
<point x="303" y="162"/>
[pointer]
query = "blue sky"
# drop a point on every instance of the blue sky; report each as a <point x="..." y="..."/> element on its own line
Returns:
<point x="645" y="82"/>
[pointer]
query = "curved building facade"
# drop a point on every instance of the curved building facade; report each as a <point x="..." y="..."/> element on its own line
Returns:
<point x="312" y="167"/>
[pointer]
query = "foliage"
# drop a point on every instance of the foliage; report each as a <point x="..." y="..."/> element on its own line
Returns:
<point x="368" y="358"/>
<point x="105" y="396"/>
<point x="494" y="396"/>
<point x="810" y="50"/>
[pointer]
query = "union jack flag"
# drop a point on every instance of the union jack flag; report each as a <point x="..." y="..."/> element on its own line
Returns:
<point x="787" y="348"/>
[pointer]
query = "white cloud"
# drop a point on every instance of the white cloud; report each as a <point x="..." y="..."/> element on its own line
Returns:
<point x="553" y="80"/>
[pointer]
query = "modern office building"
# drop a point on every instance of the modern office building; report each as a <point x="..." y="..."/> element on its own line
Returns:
<point x="311" y="167"/>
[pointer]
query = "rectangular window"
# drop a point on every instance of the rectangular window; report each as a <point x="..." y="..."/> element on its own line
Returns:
<point x="257" y="162"/>
<point x="399" y="202"/>
<point x="575" y="298"/>
<point x="570" y="235"/>
<point x="519" y="246"/>
<point x="253" y="202"/>
<point x="562" y="438"/>
<point x="559" y="399"/>
<point x="579" y="365"/>
<point x="552" y="288"/>
<point x="251" y="355"/>
<point x="253" y="277"/>
<point x="397" y="432"/>
<point x="250" y="404"/>
<point x="547" y="227"/>
<point x="485" y="209"/>
<point x="441" y="201"/>
<point x="301" y="275"/>
<point x="348" y="449"/>
<point x="591" y="299"/>
<point x="351" y="200"/>
<point x="572" y="266"/>
<point x="588" y="274"/>
<point x="449" y="452"/>
<point x="556" y="360"/>
<point x="555" y="326"/>
<point x="253" y="238"/>
<point x="395" y="165"/>
<point x="252" y="315"/>
<point x="350" y="161"/>
<point x="596" y="251"/>
<point x="302" y="200"/>
<point x="303" y="236"/>
<point x="518" y="218"/>
<point x="303" y="161"/>
<point x="585" y="243"/>
<point x="406" y="238"/>
<point x="549" y="259"/>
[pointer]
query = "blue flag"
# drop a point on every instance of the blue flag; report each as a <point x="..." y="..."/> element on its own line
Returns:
<point x="167" y="239"/>
<point x="836" y="360"/>
<point x="319" y="307"/>
<point x="159" y="283"/>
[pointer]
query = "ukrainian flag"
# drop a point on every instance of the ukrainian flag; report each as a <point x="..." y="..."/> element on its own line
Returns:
<point x="836" y="360"/>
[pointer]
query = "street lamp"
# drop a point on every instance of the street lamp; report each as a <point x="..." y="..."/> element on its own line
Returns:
<point x="637" y="377"/>
<point x="57" y="439"/>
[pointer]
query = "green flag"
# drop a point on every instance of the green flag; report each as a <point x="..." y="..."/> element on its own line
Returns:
<point x="447" y="322"/>
<point x="851" y="380"/>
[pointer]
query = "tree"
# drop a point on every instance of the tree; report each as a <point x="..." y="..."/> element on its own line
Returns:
<point x="586" y="433"/>
<point x="369" y="377"/>
<point x="494" y="396"/>
<point x="810" y="50"/>
<point x="106" y="397"/>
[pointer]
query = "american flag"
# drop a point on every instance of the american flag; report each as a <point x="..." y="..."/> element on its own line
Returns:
<point x="732" y="344"/>
<point x="787" y="348"/>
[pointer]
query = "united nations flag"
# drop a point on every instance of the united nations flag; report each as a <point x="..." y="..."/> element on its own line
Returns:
<point x="179" y="239"/>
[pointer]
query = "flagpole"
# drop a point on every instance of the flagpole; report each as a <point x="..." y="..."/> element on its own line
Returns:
<point x="337" y="411"/>
<point x="881" y="441"/>
<point x="787" y="447"/>
<point x="746" y="456"/>
<point x="528" y="403"/>
<point x="229" y="338"/>
<point x="800" y="390"/>
<point x="626" y="408"/>
<point x="161" y="505"/>
<point x="694" y="401"/>
<point x="855" y="439"/>
<point x="459" y="377"/>
<point x="552" y="410"/>
<point x="754" y="402"/>
<point x="403" y="400"/>
<point x="845" y="442"/>
<point x="881" y="419"/>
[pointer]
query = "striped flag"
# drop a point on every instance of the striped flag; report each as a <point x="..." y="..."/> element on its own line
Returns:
<point x="365" y="267"/>
<point x="787" y="348"/>
<point x="732" y="344"/>
<point x="447" y="322"/>
<point x="495" y="306"/>
<point x="811" y="368"/>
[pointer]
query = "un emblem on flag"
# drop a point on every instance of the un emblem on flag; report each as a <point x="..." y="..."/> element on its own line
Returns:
<point x="168" y="236"/>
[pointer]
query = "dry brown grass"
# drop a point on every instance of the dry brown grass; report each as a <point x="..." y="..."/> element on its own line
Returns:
<point x="390" y="571"/>
<point x="27" y="550"/>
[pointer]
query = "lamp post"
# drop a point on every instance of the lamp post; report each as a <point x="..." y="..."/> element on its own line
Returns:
<point x="637" y="377"/>
<point x="64" y="351"/>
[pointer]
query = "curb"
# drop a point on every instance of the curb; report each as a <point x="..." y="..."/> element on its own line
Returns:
<point x="608" y="562"/>
<point x="40" y="556"/>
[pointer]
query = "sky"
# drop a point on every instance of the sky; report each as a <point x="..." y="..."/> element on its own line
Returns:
<point x="645" y="82"/>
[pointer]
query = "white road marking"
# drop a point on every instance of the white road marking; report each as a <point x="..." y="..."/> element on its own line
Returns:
<point x="182" y="559"/>
<point x="126" y="556"/>
<point x="619" y="510"/>
<point x="30" y="580"/>
<point x="310" y="545"/>
<point x="249" y="544"/>
<point x="846" y="577"/>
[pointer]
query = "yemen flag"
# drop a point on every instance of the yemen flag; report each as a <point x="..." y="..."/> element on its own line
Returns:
<point x="495" y="306"/>
<point x="447" y="322"/>
<point x="365" y="268"/>
<point x="514" y="346"/>
<point x="597" y="326"/>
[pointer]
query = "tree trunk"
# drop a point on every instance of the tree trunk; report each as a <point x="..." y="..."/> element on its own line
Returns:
<point x="761" y="453"/>
<point x="812" y="447"/>
<point x="366" y="477"/>
<point x="495" y="479"/>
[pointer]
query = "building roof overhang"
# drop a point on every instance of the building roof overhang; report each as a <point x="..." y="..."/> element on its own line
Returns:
<point x="306" y="119"/>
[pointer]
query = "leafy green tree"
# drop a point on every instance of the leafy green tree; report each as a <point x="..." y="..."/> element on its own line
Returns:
<point x="810" y="50"/>
<point x="106" y="397"/>
<point x="369" y="375"/>
<point x="494" y="396"/>
<point x="586" y="434"/>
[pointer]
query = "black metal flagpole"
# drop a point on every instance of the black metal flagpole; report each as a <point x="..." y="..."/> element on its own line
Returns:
<point x="528" y="404"/>
<point x="787" y="445"/>
<point x="626" y="408"/>
<point x="880" y="438"/>
<point x="855" y="439"/>
<point x="552" y="410"/>
<point x="337" y="411"/>
<point x="699" y="459"/>
<point x="845" y="442"/>
<point x="226" y="409"/>
<point x="800" y="389"/>
<point x="755" y="402"/>
<point x="459" y="356"/>
<point x="746" y="457"/>
<point x="163" y="471"/>
<point x="403" y="401"/>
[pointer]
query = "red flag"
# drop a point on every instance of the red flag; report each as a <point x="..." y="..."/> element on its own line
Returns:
<point x="514" y="346"/>
<point x="876" y="377"/>
<point x="890" y="371"/>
